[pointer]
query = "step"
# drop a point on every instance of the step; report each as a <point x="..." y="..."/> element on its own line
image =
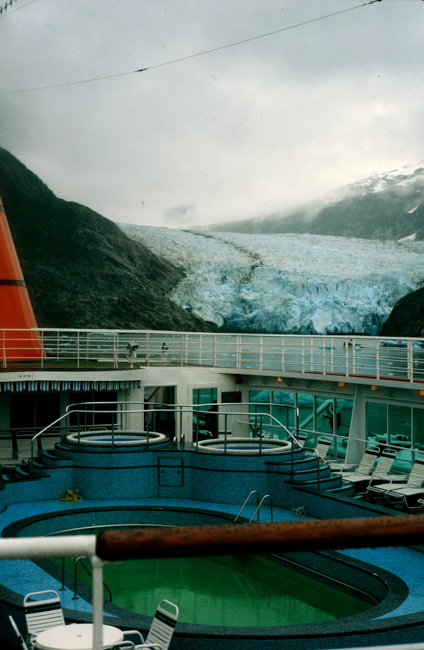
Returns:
<point x="311" y="475"/>
<point x="36" y="468"/>
<point x="51" y="460"/>
<point x="298" y="465"/>
<point x="344" y="490"/>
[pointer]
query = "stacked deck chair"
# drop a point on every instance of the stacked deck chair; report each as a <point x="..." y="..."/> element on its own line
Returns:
<point x="401" y="494"/>
<point x="364" y="469"/>
<point x="380" y="474"/>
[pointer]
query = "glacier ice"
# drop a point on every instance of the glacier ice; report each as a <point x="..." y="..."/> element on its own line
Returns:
<point x="293" y="284"/>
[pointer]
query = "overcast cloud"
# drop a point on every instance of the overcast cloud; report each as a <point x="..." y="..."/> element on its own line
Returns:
<point x="248" y="130"/>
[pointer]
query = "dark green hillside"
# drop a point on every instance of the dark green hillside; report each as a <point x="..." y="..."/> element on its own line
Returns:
<point x="389" y="214"/>
<point x="81" y="270"/>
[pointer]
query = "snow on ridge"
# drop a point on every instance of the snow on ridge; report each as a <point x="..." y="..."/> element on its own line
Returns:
<point x="288" y="283"/>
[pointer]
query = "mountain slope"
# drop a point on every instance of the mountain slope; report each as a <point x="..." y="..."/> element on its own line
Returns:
<point x="386" y="207"/>
<point x="81" y="270"/>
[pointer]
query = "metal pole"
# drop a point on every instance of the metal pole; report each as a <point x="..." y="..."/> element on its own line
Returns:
<point x="97" y="565"/>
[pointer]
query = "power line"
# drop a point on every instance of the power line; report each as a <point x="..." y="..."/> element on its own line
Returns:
<point x="185" y="58"/>
<point x="3" y="8"/>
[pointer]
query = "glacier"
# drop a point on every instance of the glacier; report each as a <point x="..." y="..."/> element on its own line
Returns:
<point x="291" y="284"/>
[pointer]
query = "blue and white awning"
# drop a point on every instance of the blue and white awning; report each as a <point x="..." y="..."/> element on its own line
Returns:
<point x="46" y="386"/>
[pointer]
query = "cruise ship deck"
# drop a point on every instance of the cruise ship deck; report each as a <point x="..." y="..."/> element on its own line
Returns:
<point x="189" y="425"/>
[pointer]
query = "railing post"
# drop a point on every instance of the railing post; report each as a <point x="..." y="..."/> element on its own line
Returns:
<point x="97" y="565"/>
<point x="78" y="352"/>
<point x="42" y="349"/>
<point x="261" y="352"/>
<point x="214" y="351"/>
<point x="377" y="359"/>
<point x="4" y="350"/>
<point x="410" y="361"/>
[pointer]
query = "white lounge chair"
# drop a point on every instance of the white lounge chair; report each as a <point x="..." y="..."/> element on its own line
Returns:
<point x="365" y="467"/>
<point x="400" y="493"/>
<point x="322" y="448"/>
<point x="18" y="634"/>
<point x="379" y="473"/>
<point x="42" y="613"/>
<point x="160" y="633"/>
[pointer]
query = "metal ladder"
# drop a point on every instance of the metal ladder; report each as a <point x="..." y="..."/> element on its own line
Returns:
<point x="258" y="506"/>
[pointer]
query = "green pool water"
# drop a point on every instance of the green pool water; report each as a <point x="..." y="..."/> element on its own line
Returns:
<point x="249" y="591"/>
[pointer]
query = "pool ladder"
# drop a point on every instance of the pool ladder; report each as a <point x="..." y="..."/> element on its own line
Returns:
<point x="258" y="506"/>
<point x="81" y="561"/>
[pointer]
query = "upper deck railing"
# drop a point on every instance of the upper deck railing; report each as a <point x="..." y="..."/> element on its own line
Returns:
<point x="366" y="357"/>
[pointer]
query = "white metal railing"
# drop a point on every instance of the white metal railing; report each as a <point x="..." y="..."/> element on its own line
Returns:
<point x="379" y="358"/>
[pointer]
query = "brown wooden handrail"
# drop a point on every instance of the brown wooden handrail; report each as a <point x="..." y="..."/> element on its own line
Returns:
<point x="188" y="541"/>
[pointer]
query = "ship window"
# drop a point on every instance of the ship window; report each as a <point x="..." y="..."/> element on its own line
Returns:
<point x="400" y="425"/>
<point x="160" y="399"/>
<point x="419" y="429"/>
<point x="33" y="412"/>
<point x="376" y="422"/>
<point x="205" y="420"/>
<point x="305" y="404"/>
<point x="93" y="414"/>
<point x="260" y="402"/>
<point x="284" y="415"/>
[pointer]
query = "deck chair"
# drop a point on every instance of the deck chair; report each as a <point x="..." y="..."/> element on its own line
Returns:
<point x="160" y="633"/>
<point x="365" y="467"/>
<point x="322" y="448"/>
<point x="42" y="613"/>
<point x="18" y="634"/>
<point x="414" y="486"/>
<point x="163" y="624"/>
<point x="400" y="493"/>
<point x="379" y="472"/>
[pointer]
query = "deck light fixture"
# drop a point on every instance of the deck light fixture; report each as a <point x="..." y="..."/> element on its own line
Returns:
<point x="374" y="387"/>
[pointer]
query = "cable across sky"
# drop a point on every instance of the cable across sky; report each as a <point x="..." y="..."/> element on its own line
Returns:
<point x="188" y="57"/>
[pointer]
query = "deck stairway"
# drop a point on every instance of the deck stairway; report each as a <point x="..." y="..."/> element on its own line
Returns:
<point x="308" y="472"/>
<point x="298" y="469"/>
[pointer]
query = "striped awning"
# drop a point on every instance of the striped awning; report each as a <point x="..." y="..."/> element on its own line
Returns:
<point x="31" y="386"/>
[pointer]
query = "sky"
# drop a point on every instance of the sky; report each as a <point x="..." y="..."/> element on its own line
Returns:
<point x="243" y="131"/>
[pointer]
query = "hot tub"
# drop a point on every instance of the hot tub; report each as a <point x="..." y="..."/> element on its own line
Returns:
<point x="244" y="446"/>
<point x="120" y="438"/>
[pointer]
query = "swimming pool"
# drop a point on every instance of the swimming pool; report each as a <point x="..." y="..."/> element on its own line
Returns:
<point x="228" y="591"/>
<point x="352" y="578"/>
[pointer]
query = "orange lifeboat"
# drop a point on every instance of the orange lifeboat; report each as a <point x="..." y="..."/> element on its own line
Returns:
<point x="17" y="343"/>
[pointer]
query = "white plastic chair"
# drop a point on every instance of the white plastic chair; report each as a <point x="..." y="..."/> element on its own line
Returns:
<point x="42" y="613"/>
<point x="18" y="634"/>
<point x="163" y="624"/>
<point x="160" y="633"/>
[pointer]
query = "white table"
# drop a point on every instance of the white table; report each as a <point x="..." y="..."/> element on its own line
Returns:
<point x="76" y="636"/>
